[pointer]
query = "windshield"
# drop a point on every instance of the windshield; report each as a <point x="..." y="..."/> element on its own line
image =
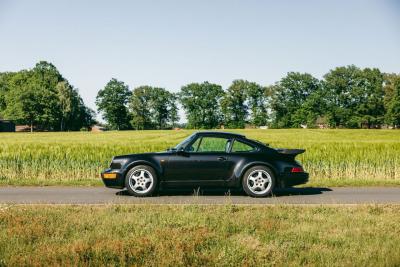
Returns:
<point x="184" y="143"/>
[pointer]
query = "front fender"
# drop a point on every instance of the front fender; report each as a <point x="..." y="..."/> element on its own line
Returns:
<point x="154" y="165"/>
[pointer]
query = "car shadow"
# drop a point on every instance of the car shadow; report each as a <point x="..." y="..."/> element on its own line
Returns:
<point x="292" y="191"/>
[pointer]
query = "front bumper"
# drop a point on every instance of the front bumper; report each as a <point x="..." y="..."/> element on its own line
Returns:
<point x="294" y="178"/>
<point x="113" y="178"/>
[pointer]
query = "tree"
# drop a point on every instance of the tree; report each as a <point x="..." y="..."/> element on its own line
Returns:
<point x="164" y="108"/>
<point x="173" y="112"/>
<point x="258" y="100"/>
<point x="201" y="104"/>
<point x="42" y="98"/>
<point x="45" y="77"/>
<point x="289" y="96"/>
<point x="370" y="111"/>
<point x="153" y="108"/>
<point x="4" y="88"/>
<point x="74" y="115"/>
<point x="234" y="106"/>
<point x="339" y="84"/>
<point x="392" y="99"/>
<point x="66" y="98"/>
<point x="139" y="107"/>
<point x="112" y="102"/>
<point x="355" y="97"/>
<point x="28" y="102"/>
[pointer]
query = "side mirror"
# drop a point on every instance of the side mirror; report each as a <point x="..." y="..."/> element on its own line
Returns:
<point x="181" y="151"/>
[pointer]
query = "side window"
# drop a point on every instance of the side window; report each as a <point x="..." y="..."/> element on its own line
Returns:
<point x="214" y="144"/>
<point x="241" y="147"/>
<point x="193" y="147"/>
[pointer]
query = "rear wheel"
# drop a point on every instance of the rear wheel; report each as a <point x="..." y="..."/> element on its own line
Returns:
<point x="258" y="181"/>
<point x="141" y="181"/>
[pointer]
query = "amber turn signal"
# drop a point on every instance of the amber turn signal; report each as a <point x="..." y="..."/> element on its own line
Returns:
<point x="109" y="175"/>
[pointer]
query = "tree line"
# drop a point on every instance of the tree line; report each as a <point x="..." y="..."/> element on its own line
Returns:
<point x="43" y="99"/>
<point x="346" y="97"/>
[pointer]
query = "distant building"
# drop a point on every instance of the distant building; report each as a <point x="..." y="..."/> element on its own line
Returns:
<point x="321" y="122"/>
<point x="7" y="126"/>
<point x="97" y="128"/>
<point x="23" y="128"/>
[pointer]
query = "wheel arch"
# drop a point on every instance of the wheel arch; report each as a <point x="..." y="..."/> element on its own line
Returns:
<point x="258" y="163"/>
<point x="135" y="163"/>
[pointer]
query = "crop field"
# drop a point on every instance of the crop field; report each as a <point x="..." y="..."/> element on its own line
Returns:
<point x="333" y="157"/>
<point x="227" y="235"/>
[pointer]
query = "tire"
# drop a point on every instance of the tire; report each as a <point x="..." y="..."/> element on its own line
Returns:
<point x="141" y="181"/>
<point x="258" y="181"/>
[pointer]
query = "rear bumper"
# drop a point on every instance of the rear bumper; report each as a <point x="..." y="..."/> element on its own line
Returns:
<point x="294" y="178"/>
<point x="113" y="178"/>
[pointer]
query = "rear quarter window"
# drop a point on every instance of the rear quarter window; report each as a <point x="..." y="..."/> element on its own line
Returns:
<point x="239" y="146"/>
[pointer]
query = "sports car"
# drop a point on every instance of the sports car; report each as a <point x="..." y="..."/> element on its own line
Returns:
<point x="208" y="159"/>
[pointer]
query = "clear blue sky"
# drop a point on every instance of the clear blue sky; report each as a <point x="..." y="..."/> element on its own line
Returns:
<point x="171" y="43"/>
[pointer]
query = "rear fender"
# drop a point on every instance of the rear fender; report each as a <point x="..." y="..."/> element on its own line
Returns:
<point x="256" y="163"/>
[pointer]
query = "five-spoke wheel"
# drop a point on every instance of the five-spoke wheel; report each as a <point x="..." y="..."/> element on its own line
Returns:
<point x="258" y="181"/>
<point x="141" y="181"/>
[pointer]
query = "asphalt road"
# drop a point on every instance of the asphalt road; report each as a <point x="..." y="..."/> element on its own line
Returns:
<point x="100" y="195"/>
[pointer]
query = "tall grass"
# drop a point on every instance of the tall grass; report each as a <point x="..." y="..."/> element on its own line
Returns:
<point x="333" y="157"/>
<point x="225" y="235"/>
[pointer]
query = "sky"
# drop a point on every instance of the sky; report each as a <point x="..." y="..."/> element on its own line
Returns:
<point x="171" y="43"/>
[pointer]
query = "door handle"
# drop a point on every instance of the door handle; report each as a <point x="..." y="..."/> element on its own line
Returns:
<point x="221" y="158"/>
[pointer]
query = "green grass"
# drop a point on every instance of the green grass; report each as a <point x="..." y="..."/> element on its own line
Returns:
<point x="227" y="235"/>
<point x="333" y="157"/>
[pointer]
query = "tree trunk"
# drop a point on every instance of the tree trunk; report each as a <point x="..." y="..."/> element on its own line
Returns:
<point x="31" y="126"/>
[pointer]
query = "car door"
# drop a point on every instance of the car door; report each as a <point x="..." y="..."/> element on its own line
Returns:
<point x="204" y="162"/>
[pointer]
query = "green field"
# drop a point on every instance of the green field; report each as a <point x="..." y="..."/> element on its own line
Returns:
<point x="333" y="157"/>
<point x="227" y="235"/>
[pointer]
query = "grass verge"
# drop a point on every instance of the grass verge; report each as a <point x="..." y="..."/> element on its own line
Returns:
<point x="226" y="235"/>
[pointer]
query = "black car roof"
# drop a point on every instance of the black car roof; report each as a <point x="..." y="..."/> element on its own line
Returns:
<point x="225" y="134"/>
<point x="233" y="135"/>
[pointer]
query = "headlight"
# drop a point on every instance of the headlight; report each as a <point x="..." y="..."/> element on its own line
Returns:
<point x="117" y="164"/>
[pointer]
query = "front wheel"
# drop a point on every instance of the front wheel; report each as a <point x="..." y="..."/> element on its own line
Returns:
<point x="258" y="181"/>
<point x="141" y="181"/>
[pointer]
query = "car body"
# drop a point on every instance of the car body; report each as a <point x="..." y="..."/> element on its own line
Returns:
<point x="208" y="159"/>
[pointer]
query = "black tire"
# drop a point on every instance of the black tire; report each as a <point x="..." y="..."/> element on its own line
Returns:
<point x="147" y="171"/>
<point x="266" y="174"/>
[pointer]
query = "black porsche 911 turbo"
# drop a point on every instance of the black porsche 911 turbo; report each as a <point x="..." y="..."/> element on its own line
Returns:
<point x="208" y="159"/>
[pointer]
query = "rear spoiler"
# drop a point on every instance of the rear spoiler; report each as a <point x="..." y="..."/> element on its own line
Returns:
<point x="290" y="153"/>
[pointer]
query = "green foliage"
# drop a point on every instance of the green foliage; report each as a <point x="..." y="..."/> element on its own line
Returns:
<point x="258" y="103"/>
<point x="74" y="114"/>
<point x="234" y="106"/>
<point x="201" y="103"/>
<point x="112" y="101"/>
<point x="153" y="108"/>
<point x="4" y="89"/>
<point x="355" y="97"/>
<point x="347" y="97"/>
<point x="392" y="100"/>
<point x="140" y="109"/>
<point x="244" y="102"/>
<point x="295" y="100"/>
<point x="43" y="99"/>
<point x="32" y="97"/>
